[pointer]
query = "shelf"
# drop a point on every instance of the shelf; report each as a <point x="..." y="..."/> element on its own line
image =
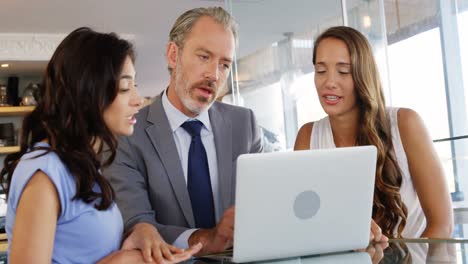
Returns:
<point x="15" y="110"/>
<point x="9" y="149"/>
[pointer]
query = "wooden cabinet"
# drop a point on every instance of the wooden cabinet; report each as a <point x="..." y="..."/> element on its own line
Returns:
<point x="13" y="111"/>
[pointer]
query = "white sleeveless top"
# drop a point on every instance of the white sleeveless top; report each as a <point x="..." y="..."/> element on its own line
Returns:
<point x="322" y="137"/>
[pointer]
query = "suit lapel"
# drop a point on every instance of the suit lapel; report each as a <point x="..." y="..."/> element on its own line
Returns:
<point x="222" y="133"/>
<point x="162" y="139"/>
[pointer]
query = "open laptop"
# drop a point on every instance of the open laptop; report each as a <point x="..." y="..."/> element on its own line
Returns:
<point x="303" y="203"/>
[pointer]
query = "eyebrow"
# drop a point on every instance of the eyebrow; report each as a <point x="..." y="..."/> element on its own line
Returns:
<point x="343" y="64"/>
<point x="339" y="63"/>
<point x="229" y="60"/>
<point x="126" y="77"/>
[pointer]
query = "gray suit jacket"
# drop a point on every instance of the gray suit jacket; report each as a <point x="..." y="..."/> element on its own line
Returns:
<point x="147" y="174"/>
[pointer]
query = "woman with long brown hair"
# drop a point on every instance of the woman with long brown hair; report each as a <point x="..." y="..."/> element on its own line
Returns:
<point x="411" y="197"/>
<point x="61" y="209"/>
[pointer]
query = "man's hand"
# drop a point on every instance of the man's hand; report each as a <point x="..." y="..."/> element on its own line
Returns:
<point x="147" y="239"/>
<point x="376" y="233"/>
<point x="218" y="238"/>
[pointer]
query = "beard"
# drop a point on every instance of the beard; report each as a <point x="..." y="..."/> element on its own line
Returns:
<point x="186" y="92"/>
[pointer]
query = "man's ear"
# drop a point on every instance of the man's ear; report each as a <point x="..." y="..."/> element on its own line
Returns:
<point x="172" y="51"/>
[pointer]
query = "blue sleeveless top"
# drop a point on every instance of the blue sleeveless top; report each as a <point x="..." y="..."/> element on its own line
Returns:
<point x="83" y="234"/>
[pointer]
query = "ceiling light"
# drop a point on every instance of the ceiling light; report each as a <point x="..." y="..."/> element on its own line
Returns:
<point x="4" y="65"/>
<point x="366" y="21"/>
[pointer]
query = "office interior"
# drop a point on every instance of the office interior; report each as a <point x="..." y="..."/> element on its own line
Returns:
<point x="421" y="47"/>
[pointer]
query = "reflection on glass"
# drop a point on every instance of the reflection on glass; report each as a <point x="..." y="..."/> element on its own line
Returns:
<point x="397" y="253"/>
<point x="345" y="258"/>
<point x="274" y="56"/>
<point x="342" y="258"/>
<point x="437" y="251"/>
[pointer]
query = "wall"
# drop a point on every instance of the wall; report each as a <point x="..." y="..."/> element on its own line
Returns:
<point x="149" y="21"/>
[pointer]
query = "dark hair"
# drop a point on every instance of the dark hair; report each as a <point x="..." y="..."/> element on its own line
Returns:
<point x="389" y="211"/>
<point x="80" y="82"/>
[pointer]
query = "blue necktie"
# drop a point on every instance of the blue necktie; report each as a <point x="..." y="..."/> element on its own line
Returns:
<point x="198" y="178"/>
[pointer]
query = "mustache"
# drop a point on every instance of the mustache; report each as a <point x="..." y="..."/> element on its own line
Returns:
<point x="206" y="83"/>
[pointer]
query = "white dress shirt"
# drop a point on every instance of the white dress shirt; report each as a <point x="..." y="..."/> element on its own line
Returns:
<point x="182" y="140"/>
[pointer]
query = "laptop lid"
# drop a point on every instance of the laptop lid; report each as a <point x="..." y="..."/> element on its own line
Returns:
<point x="302" y="203"/>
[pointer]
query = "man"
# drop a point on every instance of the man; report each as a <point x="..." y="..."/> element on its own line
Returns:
<point x="165" y="178"/>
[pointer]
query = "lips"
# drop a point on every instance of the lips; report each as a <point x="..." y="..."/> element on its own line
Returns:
<point x="205" y="91"/>
<point x="132" y="119"/>
<point x="331" y="99"/>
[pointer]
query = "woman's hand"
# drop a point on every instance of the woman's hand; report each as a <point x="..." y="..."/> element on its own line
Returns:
<point x="147" y="239"/>
<point x="376" y="235"/>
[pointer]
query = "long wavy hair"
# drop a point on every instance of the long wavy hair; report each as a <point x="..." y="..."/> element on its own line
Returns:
<point x="389" y="211"/>
<point x="80" y="82"/>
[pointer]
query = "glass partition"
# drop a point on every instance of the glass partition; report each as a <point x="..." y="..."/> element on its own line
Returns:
<point x="421" y="47"/>
<point x="274" y="63"/>
<point x="274" y="72"/>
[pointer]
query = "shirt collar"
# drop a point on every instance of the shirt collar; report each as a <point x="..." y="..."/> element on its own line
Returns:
<point x="177" y="118"/>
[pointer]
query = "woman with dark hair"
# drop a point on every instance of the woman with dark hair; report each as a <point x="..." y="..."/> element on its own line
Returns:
<point x="61" y="209"/>
<point x="411" y="197"/>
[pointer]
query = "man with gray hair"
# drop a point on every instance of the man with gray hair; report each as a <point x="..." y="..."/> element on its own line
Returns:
<point x="176" y="173"/>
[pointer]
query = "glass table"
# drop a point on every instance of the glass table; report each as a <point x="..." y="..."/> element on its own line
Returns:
<point x="396" y="251"/>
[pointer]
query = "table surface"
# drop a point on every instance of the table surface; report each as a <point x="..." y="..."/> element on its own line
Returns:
<point x="396" y="251"/>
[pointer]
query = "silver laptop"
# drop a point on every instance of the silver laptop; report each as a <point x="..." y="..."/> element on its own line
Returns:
<point x="303" y="203"/>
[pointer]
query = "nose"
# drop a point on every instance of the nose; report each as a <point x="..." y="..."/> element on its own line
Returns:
<point x="330" y="80"/>
<point x="136" y="99"/>
<point x="212" y="71"/>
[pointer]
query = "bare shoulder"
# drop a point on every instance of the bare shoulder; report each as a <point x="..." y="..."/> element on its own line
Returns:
<point x="405" y="114"/>
<point x="303" y="137"/>
<point x="413" y="133"/>
<point x="409" y="122"/>
<point x="40" y="188"/>
<point x="41" y="181"/>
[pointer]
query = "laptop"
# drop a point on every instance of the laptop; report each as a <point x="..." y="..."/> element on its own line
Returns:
<point x="303" y="203"/>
